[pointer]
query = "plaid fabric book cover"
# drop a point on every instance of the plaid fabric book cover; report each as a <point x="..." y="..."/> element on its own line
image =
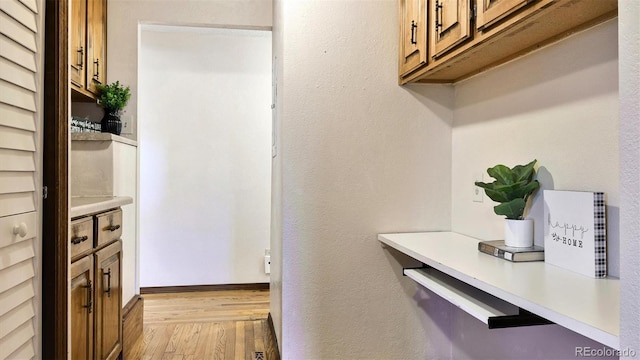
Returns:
<point x="575" y="231"/>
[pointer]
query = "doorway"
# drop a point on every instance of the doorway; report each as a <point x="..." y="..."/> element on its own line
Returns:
<point x="204" y="135"/>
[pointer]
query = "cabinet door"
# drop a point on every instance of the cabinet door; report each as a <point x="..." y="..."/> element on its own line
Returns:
<point x="77" y="42"/>
<point x="82" y="307"/>
<point x="413" y="35"/>
<point x="450" y="20"/>
<point x="492" y="11"/>
<point x="96" y="44"/>
<point x="108" y="315"/>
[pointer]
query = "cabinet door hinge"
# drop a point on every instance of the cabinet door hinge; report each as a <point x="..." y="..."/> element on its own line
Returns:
<point x="45" y="192"/>
<point x="474" y="12"/>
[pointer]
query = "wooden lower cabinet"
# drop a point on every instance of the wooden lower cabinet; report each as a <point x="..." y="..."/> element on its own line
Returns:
<point x="81" y="301"/>
<point x="108" y="316"/>
<point x="96" y="295"/>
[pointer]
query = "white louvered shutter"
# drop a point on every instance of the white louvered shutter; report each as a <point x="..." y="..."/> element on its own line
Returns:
<point x="20" y="160"/>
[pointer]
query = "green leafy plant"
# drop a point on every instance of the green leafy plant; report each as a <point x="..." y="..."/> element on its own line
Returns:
<point x="512" y="188"/>
<point x="114" y="96"/>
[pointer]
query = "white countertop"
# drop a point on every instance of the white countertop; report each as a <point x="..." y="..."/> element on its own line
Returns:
<point x="588" y="306"/>
<point x="85" y="205"/>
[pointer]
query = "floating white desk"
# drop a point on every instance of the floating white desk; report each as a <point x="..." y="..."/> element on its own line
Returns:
<point x="590" y="307"/>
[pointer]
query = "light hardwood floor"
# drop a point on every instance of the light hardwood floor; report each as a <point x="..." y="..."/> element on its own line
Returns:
<point x="225" y="324"/>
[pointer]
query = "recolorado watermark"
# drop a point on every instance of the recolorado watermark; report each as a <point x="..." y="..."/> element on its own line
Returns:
<point x="586" y="351"/>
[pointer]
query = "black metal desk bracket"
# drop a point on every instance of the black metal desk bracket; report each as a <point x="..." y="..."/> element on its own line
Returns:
<point x="424" y="266"/>
<point x="523" y="318"/>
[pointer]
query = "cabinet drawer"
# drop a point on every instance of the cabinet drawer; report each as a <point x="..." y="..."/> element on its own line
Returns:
<point x="81" y="237"/>
<point x="109" y="227"/>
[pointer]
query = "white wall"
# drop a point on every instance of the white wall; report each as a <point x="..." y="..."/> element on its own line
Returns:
<point x="275" y="285"/>
<point x="125" y="16"/>
<point x="205" y="150"/>
<point x="629" y="52"/>
<point x="560" y="106"/>
<point x="359" y="155"/>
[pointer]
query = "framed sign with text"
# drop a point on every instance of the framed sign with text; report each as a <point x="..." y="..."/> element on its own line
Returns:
<point x="575" y="231"/>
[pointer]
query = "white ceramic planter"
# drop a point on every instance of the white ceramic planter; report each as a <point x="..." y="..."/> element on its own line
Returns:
<point x="518" y="233"/>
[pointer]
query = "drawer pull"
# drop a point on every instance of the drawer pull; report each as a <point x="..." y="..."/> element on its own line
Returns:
<point x="113" y="227"/>
<point x="78" y="240"/>
<point x="96" y="75"/>
<point x="89" y="287"/>
<point x="80" y="57"/>
<point x="413" y="28"/>
<point x="108" y="275"/>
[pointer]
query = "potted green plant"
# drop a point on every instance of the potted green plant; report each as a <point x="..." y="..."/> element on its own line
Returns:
<point x="113" y="98"/>
<point x="512" y="188"/>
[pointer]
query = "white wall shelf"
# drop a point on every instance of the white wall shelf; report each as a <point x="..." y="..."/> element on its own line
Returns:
<point x="590" y="307"/>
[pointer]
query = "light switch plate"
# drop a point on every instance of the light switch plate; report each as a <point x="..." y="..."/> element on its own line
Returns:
<point x="127" y="124"/>
<point x="478" y="192"/>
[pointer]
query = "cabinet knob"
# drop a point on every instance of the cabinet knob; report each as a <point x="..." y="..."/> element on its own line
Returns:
<point x="20" y="229"/>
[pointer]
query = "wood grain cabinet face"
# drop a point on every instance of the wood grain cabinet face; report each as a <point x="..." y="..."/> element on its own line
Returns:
<point x="88" y="48"/>
<point x="81" y="237"/>
<point x="77" y="43"/>
<point x="82" y="307"/>
<point x="108" y="315"/>
<point x="413" y="35"/>
<point x="96" y="286"/>
<point x="96" y="44"/>
<point x="489" y="12"/>
<point x="503" y="30"/>
<point x="109" y="227"/>
<point x="451" y="24"/>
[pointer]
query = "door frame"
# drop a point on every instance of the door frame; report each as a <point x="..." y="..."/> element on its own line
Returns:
<point x="55" y="169"/>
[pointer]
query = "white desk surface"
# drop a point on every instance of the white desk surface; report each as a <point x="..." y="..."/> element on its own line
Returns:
<point x="588" y="306"/>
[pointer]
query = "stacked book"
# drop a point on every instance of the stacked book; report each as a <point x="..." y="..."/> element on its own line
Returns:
<point x="516" y="254"/>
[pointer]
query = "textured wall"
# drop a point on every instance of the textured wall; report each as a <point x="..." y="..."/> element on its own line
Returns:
<point x="360" y="156"/>
<point x="275" y="285"/>
<point x="629" y="52"/>
<point x="559" y="105"/>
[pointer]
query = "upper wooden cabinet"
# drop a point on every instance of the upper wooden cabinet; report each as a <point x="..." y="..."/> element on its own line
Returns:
<point x="87" y="47"/>
<point x="78" y="43"/>
<point x="451" y="24"/>
<point x="491" y="11"/>
<point x="96" y="44"/>
<point x="466" y="37"/>
<point x="413" y="35"/>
